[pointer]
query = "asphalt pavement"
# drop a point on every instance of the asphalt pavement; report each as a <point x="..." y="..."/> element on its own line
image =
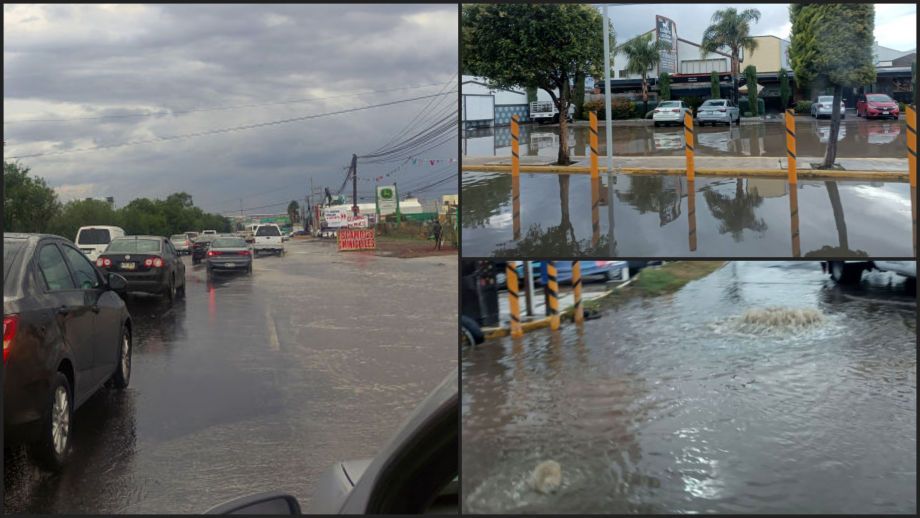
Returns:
<point x="255" y="383"/>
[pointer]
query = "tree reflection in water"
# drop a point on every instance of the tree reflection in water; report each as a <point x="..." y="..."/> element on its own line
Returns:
<point x="736" y="214"/>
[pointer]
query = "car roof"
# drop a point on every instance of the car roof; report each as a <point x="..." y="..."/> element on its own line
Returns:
<point x="140" y="237"/>
<point x="32" y="237"/>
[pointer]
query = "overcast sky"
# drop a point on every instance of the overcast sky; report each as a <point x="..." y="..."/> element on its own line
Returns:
<point x="895" y="24"/>
<point x="84" y="61"/>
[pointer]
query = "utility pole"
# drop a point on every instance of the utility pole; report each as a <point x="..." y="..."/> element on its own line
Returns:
<point x="354" y="183"/>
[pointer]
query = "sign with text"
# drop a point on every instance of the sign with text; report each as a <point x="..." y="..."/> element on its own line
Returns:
<point x="666" y="31"/>
<point x="386" y="199"/>
<point x="336" y="217"/>
<point x="356" y="239"/>
<point x="357" y="222"/>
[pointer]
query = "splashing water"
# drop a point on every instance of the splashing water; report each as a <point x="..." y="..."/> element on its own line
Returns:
<point x="780" y="319"/>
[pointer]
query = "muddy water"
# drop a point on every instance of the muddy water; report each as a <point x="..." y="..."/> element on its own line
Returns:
<point x="858" y="138"/>
<point x="675" y="405"/>
<point x="655" y="216"/>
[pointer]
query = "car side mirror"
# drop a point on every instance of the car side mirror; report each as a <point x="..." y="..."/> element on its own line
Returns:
<point x="117" y="283"/>
<point x="260" y="503"/>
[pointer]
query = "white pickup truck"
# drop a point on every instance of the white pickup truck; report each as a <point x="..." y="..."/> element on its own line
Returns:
<point x="850" y="272"/>
<point x="546" y="111"/>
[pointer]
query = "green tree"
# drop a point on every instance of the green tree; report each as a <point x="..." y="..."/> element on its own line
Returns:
<point x="664" y="86"/>
<point x="784" y="92"/>
<point x="832" y="45"/>
<point x="750" y="75"/>
<point x="29" y="205"/>
<point x="714" y="85"/>
<point x="534" y="45"/>
<point x="731" y="30"/>
<point x="531" y="94"/>
<point x="642" y="54"/>
<point x="293" y="211"/>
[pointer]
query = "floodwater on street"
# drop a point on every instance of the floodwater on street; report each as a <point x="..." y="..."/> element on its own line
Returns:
<point x="858" y="138"/>
<point x="255" y="383"/>
<point x="676" y="405"/>
<point x="655" y="216"/>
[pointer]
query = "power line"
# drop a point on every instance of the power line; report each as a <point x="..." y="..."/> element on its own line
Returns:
<point x="228" y="130"/>
<point x="220" y="108"/>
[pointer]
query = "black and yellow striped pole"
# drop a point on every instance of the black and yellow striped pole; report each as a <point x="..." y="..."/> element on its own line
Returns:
<point x="592" y="117"/>
<point x="515" y="178"/>
<point x="689" y="143"/>
<point x="595" y="210"/>
<point x="576" y="285"/>
<point x="790" y="147"/>
<point x="912" y="166"/>
<point x="691" y="214"/>
<point x="514" y="305"/>
<point x="552" y="288"/>
<point x="794" y="212"/>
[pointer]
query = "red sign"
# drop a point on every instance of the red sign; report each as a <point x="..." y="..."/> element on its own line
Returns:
<point x="356" y="239"/>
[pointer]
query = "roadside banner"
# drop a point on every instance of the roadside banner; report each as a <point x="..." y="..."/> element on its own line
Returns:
<point x="356" y="239"/>
<point x="336" y="217"/>
<point x="357" y="222"/>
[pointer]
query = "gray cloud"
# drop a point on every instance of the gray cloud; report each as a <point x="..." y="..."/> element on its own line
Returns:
<point x="66" y="61"/>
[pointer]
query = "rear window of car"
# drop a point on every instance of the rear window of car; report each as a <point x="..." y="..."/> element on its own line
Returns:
<point x="879" y="98"/>
<point x="94" y="236"/>
<point x="225" y="242"/>
<point x="669" y="104"/>
<point x="268" y="231"/>
<point x="178" y="238"/>
<point x="11" y="250"/>
<point x="136" y="246"/>
<point x="714" y="103"/>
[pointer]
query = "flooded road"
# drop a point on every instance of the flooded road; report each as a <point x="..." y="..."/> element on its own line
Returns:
<point x="255" y="383"/>
<point x="655" y="216"/>
<point x="677" y="405"/>
<point x="858" y="138"/>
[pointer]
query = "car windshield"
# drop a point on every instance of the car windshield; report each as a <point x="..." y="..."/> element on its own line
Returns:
<point x="11" y="249"/>
<point x="268" y="231"/>
<point x="229" y="242"/>
<point x="94" y="236"/>
<point x="712" y="102"/>
<point x="826" y="99"/>
<point x="670" y="104"/>
<point x="134" y="245"/>
<point x="879" y="98"/>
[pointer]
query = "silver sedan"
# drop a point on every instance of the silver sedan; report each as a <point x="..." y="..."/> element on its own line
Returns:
<point x="717" y="111"/>
<point x="229" y="253"/>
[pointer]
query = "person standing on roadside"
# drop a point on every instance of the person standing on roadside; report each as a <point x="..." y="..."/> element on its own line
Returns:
<point x="436" y="229"/>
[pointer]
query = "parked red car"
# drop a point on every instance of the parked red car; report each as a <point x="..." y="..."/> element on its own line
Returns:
<point x="876" y="105"/>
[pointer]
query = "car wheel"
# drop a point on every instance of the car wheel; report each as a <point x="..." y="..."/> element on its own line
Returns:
<point x="170" y="293"/>
<point x="844" y="273"/>
<point x="656" y="124"/>
<point x="249" y="269"/>
<point x="50" y="451"/>
<point x="123" y="372"/>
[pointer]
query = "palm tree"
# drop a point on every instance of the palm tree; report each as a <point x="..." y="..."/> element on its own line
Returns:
<point x="642" y="55"/>
<point x="731" y="30"/>
<point x="293" y="211"/>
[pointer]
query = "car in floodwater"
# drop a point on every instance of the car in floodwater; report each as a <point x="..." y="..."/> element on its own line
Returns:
<point x="229" y="253"/>
<point x="66" y="333"/>
<point x="873" y="105"/>
<point x="717" y="111"/>
<point x="150" y="264"/>
<point x="850" y="272"/>
<point x="416" y="472"/>
<point x="670" y="112"/>
<point x="824" y="107"/>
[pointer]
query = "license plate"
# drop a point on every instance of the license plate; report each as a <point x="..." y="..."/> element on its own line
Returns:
<point x="128" y="266"/>
<point x="229" y="265"/>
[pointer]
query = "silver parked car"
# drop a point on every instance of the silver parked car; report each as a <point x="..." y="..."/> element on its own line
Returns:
<point x="416" y="472"/>
<point x="850" y="272"/>
<point x="229" y="253"/>
<point x="717" y="111"/>
<point x="824" y="107"/>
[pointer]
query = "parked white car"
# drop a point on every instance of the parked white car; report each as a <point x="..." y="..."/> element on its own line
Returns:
<point x="717" y="111"/>
<point x="824" y="107"/>
<point x="670" y="112"/>
<point x="268" y="238"/>
<point x="850" y="272"/>
<point x="93" y="240"/>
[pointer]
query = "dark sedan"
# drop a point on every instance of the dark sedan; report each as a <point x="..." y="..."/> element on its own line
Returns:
<point x="66" y="333"/>
<point x="200" y="247"/>
<point x="150" y="264"/>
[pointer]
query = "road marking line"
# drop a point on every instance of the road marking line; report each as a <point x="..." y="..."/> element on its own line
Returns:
<point x="272" y="332"/>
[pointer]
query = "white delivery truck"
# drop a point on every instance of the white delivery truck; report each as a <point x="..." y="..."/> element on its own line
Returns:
<point x="546" y="111"/>
<point x="93" y="240"/>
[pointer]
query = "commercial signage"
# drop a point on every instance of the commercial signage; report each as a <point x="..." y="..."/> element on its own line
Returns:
<point x="336" y="217"/>
<point x="666" y="31"/>
<point x="356" y="239"/>
<point x="386" y="199"/>
<point x="357" y="222"/>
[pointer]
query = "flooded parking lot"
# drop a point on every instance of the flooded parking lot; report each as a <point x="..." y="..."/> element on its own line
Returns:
<point x="692" y="403"/>
<point x="254" y="383"/>
<point x="662" y="216"/>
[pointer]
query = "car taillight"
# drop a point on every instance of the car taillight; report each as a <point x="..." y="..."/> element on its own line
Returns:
<point x="675" y="110"/>
<point x="212" y="253"/>
<point x="245" y="252"/>
<point x="657" y="110"/>
<point x="10" y="323"/>
<point x="103" y="262"/>
<point x="155" y="262"/>
<point x="721" y="109"/>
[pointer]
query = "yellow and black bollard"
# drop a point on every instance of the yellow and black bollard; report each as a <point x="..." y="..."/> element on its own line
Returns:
<point x="689" y="143"/>
<point x="552" y="291"/>
<point x="794" y="213"/>
<point x="514" y="305"/>
<point x="592" y="117"/>
<point x="912" y="144"/>
<point x="790" y="147"/>
<point x="595" y="210"/>
<point x="515" y="178"/>
<point x="576" y="285"/>
<point x="691" y="214"/>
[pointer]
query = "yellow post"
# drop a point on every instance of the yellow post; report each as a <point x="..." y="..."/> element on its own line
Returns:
<point x="691" y="214"/>
<point x="790" y="147"/>
<point x="592" y="117"/>
<point x="688" y="148"/>
<point x="912" y="144"/>
<point x="576" y="284"/>
<point x="552" y="287"/>
<point x="515" y="178"/>
<point x="513" y="302"/>
<point x="794" y="212"/>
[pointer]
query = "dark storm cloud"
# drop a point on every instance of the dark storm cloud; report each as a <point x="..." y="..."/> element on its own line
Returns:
<point x="66" y="61"/>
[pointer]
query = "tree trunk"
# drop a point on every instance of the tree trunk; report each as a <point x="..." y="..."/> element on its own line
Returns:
<point x="644" y="96"/>
<point x="563" y="158"/>
<point x="831" y="154"/>
<point x="841" y="223"/>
